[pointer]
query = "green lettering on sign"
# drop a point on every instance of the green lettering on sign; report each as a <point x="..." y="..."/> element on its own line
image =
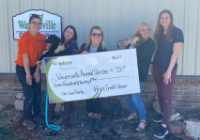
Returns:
<point x="23" y="25"/>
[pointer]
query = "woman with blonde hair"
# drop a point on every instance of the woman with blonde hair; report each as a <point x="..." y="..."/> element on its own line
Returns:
<point x="145" y="52"/>
<point x="94" y="44"/>
<point x="169" y="43"/>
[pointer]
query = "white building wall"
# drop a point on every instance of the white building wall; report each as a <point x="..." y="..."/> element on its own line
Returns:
<point x="118" y="18"/>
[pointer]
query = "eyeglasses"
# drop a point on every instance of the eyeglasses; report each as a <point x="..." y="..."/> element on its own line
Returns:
<point x="35" y="23"/>
<point x="94" y="35"/>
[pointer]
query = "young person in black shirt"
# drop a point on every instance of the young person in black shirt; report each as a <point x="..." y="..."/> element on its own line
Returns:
<point x="68" y="46"/>
<point x="169" y="43"/>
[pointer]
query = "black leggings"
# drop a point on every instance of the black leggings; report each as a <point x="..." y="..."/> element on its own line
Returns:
<point x="93" y="106"/>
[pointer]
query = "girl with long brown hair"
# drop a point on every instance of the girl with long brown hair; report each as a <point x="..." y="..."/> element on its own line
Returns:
<point x="164" y="66"/>
<point x="68" y="46"/>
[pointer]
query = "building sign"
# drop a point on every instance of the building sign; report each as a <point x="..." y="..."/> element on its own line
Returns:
<point x="51" y="23"/>
<point x="95" y="75"/>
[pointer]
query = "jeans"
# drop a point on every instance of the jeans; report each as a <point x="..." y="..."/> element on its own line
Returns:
<point x="134" y="101"/>
<point x="32" y="93"/>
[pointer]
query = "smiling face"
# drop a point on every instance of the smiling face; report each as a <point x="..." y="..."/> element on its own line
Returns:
<point x="145" y="32"/>
<point x="96" y="37"/>
<point x="68" y="34"/>
<point x="35" y="25"/>
<point x="165" y="20"/>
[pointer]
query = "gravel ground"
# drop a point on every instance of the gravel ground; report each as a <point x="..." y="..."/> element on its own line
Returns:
<point x="114" y="128"/>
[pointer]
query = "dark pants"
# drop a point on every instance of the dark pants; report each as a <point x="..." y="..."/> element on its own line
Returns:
<point x="93" y="106"/>
<point x="66" y="113"/>
<point x="164" y="92"/>
<point x="32" y="93"/>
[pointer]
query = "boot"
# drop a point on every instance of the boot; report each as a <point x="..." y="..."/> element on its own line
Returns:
<point x="66" y="113"/>
<point x="91" y="120"/>
<point x="97" y="122"/>
<point x="51" y="108"/>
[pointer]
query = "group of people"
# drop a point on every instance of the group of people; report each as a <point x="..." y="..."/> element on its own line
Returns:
<point x="163" y="51"/>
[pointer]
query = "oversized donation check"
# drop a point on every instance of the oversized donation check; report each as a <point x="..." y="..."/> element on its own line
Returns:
<point x="95" y="75"/>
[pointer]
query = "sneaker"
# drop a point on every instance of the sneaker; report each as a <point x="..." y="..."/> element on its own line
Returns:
<point x="160" y="132"/>
<point x="39" y="120"/>
<point x="97" y="124"/>
<point x="158" y="118"/>
<point x="90" y="122"/>
<point x="29" y="124"/>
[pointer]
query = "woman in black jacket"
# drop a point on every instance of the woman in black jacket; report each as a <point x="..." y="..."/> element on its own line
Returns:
<point x="68" y="46"/>
<point x="95" y="44"/>
<point x="144" y="54"/>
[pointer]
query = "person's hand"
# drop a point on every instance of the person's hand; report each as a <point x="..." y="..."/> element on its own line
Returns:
<point x="84" y="52"/>
<point x="29" y="79"/>
<point x="167" y="77"/>
<point x="36" y="76"/>
<point x="126" y="42"/>
<point x="60" y="48"/>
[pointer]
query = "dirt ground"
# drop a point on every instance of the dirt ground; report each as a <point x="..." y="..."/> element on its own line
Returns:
<point x="114" y="128"/>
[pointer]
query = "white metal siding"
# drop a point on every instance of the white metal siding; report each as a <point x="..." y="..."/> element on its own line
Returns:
<point x="118" y="19"/>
